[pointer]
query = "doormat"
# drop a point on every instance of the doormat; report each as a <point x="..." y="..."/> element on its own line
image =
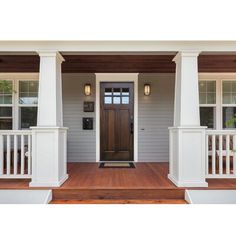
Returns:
<point x="117" y="165"/>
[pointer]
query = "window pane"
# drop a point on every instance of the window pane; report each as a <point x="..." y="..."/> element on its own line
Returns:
<point x="5" y="92"/>
<point x="207" y="92"/>
<point x="202" y="86"/>
<point x="226" y="98"/>
<point x="125" y="100"/>
<point x="211" y="98"/>
<point x="5" y="124"/>
<point x="28" y="117"/>
<point x="229" y="117"/>
<point x="229" y="92"/>
<point x="208" y="117"/>
<point x="211" y="86"/>
<point x="5" y="111"/>
<point x="116" y="100"/>
<point x="28" y="92"/>
<point x="107" y="100"/>
<point x="226" y="86"/>
<point x="202" y="98"/>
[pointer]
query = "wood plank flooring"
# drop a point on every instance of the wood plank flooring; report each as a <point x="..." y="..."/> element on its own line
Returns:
<point x="147" y="183"/>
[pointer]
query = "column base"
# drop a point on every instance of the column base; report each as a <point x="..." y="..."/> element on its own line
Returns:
<point x="187" y="183"/>
<point x="49" y="184"/>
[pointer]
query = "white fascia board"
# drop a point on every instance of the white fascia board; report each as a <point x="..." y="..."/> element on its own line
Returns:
<point x="118" y="46"/>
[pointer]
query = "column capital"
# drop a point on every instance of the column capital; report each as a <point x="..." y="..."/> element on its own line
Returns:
<point x="51" y="53"/>
<point x="181" y="54"/>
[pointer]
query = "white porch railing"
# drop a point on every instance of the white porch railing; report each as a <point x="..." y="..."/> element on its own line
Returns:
<point x="15" y="154"/>
<point x="220" y="154"/>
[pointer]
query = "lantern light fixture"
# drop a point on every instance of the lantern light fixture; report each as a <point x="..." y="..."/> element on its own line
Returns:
<point x="147" y="89"/>
<point x="87" y="89"/>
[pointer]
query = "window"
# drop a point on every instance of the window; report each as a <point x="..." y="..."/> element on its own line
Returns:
<point x="28" y="100"/>
<point x="207" y="98"/>
<point x="229" y="104"/>
<point x="116" y="96"/>
<point x="6" y="91"/>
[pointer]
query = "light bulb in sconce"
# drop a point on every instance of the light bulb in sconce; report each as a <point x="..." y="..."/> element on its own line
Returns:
<point x="87" y="89"/>
<point x="147" y="89"/>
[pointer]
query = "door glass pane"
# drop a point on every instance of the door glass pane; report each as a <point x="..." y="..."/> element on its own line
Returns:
<point x="125" y="91"/>
<point x="208" y="117"/>
<point x="28" y="117"/>
<point x="108" y="91"/>
<point x="5" y="124"/>
<point x="116" y="100"/>
<point x="116" y="91"/>
<point x="229" y="117"/>
<point x="107" y="100"/>
<point x="125" y="100"/>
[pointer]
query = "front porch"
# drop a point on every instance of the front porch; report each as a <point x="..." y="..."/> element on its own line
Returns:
<point x="147" y="183"/>
<point x="185" y="93"/>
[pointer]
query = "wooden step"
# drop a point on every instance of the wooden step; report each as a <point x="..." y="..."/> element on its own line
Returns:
<point x="120" y="201"/>
<point x="117" y="194"/>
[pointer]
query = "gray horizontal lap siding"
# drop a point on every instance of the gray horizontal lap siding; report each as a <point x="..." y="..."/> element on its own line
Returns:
<point x="81" y="143"/>
<point x="155" y="115"/>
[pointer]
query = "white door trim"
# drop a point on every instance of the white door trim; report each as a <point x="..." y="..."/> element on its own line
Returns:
<point x="116" y="77"/>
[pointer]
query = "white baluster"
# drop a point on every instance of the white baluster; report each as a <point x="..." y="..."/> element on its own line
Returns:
<point x="234" y="151"/>
<point x="22" y="154"/>
<point x="207" y="155"/>
<point x="15" y="154"/>
<point x="1" y="155"/>
<point x="227" y="154"/>
<point x="8" y="155"/>
<point x="213" y="163"/>
<point x="220" y="155"/>
<point x="29" y="154"/>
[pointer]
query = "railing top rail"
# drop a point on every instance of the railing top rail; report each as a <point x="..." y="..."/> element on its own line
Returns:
<point x="224" y="132"/>
<point x="15" y="132"/>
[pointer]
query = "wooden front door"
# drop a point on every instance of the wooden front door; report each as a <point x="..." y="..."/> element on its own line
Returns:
<point x="116" y="121"/>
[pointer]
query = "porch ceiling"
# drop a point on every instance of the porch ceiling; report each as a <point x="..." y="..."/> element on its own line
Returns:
<point x="118" y="63"/>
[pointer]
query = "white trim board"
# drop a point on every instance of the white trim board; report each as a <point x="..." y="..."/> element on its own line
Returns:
<point x="116" y="77"/>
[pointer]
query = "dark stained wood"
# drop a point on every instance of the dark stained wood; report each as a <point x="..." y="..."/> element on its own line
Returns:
<point x="117" y="63"/>
<point x="116" y="122"/>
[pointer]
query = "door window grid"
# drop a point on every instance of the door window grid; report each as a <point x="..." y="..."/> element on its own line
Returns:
<point x="116" y="96"/>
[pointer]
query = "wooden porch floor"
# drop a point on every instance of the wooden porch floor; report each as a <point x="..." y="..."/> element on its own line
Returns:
<point x="147" y="183"/>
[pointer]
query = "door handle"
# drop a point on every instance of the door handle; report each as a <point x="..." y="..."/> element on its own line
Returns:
<point x="131" y="127"/>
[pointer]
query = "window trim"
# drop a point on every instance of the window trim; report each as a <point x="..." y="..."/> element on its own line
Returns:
<point x="16" y="78"/>
<point x="219" y="78"/>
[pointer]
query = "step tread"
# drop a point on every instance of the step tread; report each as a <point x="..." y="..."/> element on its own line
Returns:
<point x="120" y="201"/>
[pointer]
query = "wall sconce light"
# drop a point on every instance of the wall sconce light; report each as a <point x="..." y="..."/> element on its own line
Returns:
<point x="87" y="89"/>
<point x="147" y="89"/>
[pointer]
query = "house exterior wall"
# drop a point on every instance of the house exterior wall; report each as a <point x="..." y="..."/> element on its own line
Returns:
<point x="155" y="115"/>
<point x="81" y="143"/>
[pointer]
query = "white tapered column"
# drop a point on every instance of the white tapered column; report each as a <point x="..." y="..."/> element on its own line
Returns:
<point x="49" y="154"/>
<point x="187" y="137"/>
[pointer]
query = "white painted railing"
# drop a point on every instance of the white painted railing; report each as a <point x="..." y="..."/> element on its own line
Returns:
<point x="220" y="154"/>
<point x="15" y="154"/>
